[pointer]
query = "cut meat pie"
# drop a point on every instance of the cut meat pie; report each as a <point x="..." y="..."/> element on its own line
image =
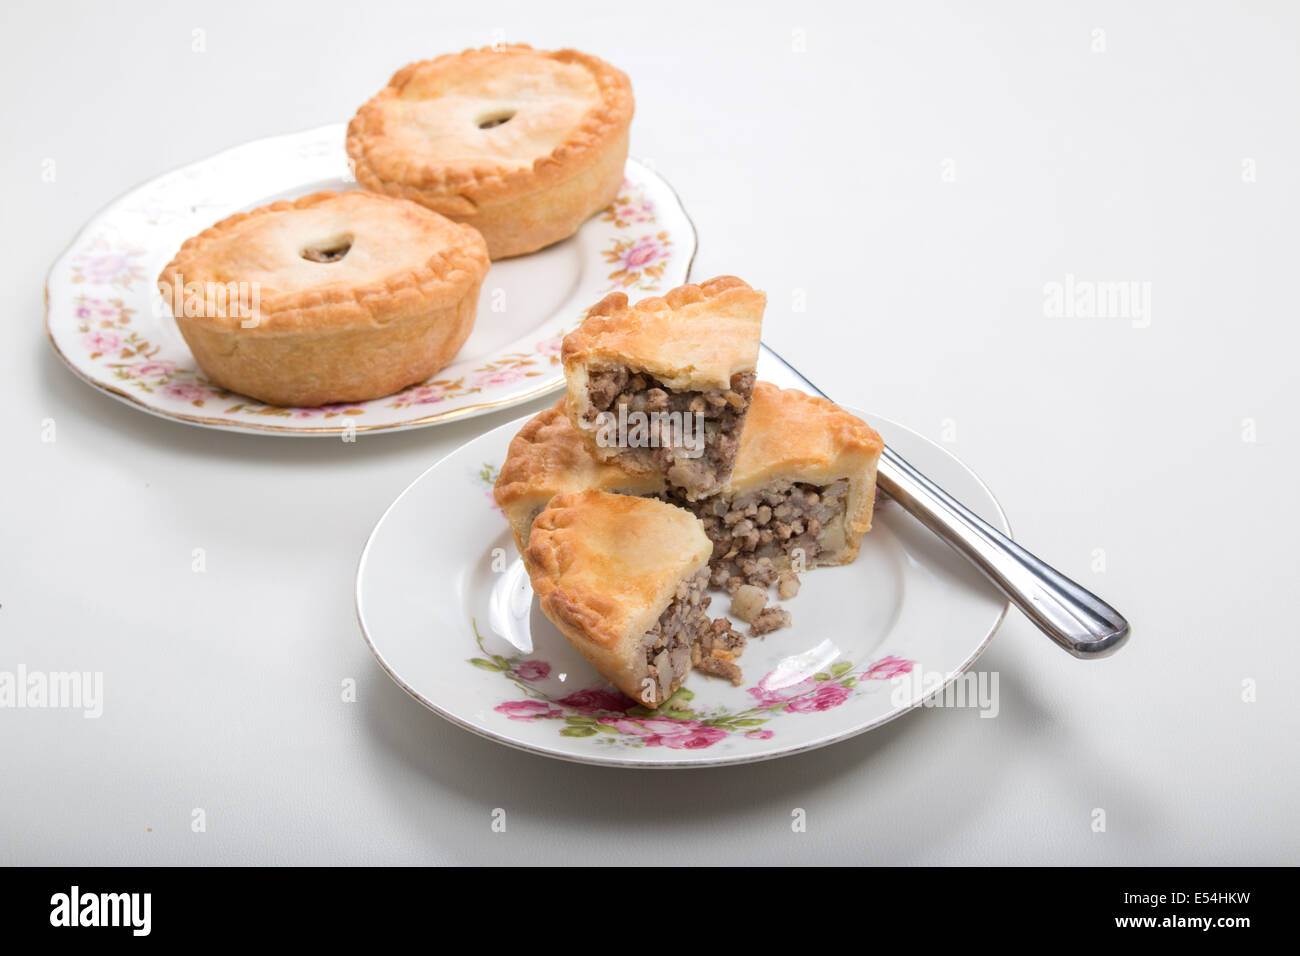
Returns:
<point x="522" y="144"/>
<point x="801" y="494"/>
<point x="624" y="579"/>
<point x="663" y="386"/>
<point x="334" y="297"/>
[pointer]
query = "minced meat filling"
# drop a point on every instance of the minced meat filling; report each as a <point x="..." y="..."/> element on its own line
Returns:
<point x="717" y="649"/>
<point x="750" y="531"/>
<point x="722" y="410"/>
<point x="685" y="637"/>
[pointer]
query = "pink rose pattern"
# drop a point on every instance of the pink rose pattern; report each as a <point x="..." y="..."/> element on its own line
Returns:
<point x="550" y="348"/>
<point x="102" y="264"/>
<point x="527" y="710"/>
<point x="107" y="334"/>
<point x="151" y="369"/>
<point x="887" y="668"/>
<point x="501" y="376"/>
<point x="101" y="341"/>
<point x="592" y="700"/>
<point x="604" y="713"/>
<point x="638" y="262"/>
<point x="533" y="670"/>
<point x="628" y="210"/>
<point x="186" y="392"/>
<point x="431" y="393"/>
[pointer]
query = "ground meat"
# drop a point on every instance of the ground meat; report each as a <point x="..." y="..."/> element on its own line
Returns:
<point x="716" y="666"/>
<point x="717" y="649"/>
<point x="770" y="620"/>
<point x="721" y="410"/>
<point x="668" y="645"/>
<point x="602" y="387"/>
<point x="752" y="532"/>
<point x="685" y="637"/>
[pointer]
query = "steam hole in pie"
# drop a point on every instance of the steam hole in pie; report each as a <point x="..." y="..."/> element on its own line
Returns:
<point x="331" y="251"/>
<point x="495" y="119"/>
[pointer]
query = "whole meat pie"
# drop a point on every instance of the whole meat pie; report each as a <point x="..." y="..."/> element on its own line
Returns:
<point x="522" y="144"/>
<point x="624" y="579"/>
<point x="663" y="386"/>
<point x="353" y="296"/>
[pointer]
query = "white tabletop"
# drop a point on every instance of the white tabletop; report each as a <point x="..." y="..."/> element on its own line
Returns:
<point x="917" y="175"/>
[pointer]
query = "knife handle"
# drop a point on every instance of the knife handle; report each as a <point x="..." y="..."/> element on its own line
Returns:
<point x="1072" y="616"/>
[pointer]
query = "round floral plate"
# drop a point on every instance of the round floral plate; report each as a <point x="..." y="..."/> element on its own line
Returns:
<point x="446" y="607"/>
<point x="108" y="322"/>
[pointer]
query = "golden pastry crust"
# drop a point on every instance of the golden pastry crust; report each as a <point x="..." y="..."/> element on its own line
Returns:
<point x="554" y="157"/>
<point x="392" y="309"/>
<point x="547" y="458"/>
<point x="792" y="436"/>
<point x="695" y="337"/>
<point x="604" y="568"/>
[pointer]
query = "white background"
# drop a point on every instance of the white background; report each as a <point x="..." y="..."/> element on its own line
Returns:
<point x="816" y="172"/>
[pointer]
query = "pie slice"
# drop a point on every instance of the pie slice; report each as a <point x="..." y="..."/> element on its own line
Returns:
<point x="662" y="387"/>
<point x="624" y="579"/>
<point x="522" y="144"/>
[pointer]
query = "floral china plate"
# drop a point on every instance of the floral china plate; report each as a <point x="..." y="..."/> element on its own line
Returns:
<point x="445" y="606"/>
<point x="108" y="322"/>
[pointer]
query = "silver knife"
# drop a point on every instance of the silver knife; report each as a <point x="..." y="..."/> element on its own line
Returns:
<point x="1072" y="616"/>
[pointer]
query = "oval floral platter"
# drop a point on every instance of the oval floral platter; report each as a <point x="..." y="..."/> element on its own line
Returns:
<point x="108" y="322"/>
<point x="446" y="607"/>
